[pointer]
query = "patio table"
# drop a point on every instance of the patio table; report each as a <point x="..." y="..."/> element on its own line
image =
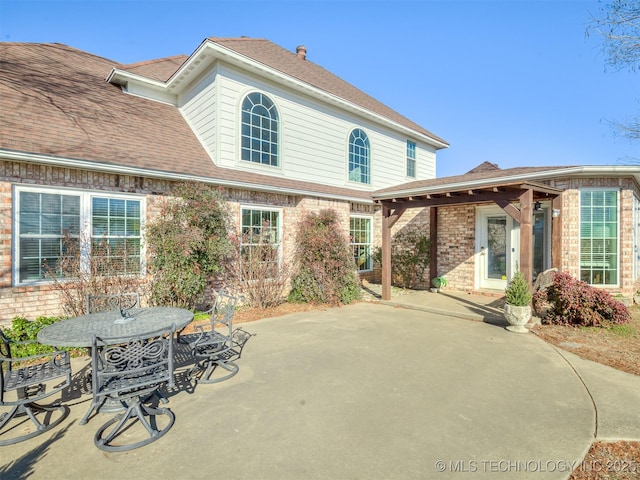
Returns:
<point x="79" y="331"/>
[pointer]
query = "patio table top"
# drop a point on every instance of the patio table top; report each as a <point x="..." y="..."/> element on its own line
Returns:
<point x="79" y="331"/>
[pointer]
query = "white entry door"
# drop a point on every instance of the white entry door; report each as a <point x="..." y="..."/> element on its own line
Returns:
<point x="497" y="247"/>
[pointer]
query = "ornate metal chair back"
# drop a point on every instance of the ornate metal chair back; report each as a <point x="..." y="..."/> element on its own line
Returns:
<point x="130" y="366"/>
<point x="122" y="301"/>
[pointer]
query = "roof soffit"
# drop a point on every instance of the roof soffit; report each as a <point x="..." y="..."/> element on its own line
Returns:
<point x="484" y="193"/>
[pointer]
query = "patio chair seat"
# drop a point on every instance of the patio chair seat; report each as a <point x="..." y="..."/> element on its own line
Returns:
<point x="37" y="374"/>
<point x="217" y="345"/>
<point x="29" y="385"/>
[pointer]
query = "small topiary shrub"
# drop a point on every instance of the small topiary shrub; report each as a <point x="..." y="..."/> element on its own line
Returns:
<point x="325" y="271"/>
<point x="573" y="302"/>
<point x="517" y="292"/>
<point x="439" y="282"/>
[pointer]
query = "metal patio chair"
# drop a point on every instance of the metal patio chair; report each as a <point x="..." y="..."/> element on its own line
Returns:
<point x="128" y="371"/>
<point x="122" y="301"/>
<point x="27" y="379"/>
<point x="217" y="345"/>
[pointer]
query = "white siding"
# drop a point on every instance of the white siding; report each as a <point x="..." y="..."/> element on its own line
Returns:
<point x="313" y="136"/>
<point x="198" y="106"/>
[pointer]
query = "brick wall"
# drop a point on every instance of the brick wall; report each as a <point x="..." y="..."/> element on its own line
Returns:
<point x="570" y="212"/>
<point x="42" y="300"/>
<point x="456" y="246"/>
<point x="456" y="231"/>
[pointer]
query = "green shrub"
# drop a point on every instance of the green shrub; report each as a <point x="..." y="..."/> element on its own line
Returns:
<point x="188" y="244"/>
<point x="23" y="330"/>
<point x="573" y="302"/>
<point x="517" y="292"/>
<point x="325" y="271"/>
<point x="410" y="256"/>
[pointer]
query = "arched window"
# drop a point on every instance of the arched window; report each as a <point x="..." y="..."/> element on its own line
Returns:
<point x="359" y="161"/>
<point x="259" y="130"/>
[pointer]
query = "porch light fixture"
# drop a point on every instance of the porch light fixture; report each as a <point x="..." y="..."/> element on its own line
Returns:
<point x="555" y="213"/>
<point x="537" y="207"/>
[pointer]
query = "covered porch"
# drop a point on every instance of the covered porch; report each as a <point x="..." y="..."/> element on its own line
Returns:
<point x="517" y="198"/>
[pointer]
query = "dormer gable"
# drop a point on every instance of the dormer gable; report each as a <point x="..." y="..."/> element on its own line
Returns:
<point x="261" y="58"/>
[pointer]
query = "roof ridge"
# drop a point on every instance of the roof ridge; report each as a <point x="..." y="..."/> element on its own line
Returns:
<point x="58" y="44"/>
<point x="243" y="38"/>
<point x="154" y="60"/>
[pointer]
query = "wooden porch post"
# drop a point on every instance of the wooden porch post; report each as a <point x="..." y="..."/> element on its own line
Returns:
<point x="556" y="233"/>
<point x="526" y="235"/>
<point x="386" y="253"/>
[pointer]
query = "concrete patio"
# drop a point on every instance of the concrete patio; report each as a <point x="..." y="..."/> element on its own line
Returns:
<point x="414" y="388"/>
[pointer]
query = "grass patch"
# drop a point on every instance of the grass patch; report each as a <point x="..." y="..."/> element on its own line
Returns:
<point x="624" y="330"/>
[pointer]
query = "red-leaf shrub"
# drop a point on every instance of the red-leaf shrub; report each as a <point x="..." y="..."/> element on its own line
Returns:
<point x="573" y="302"/>
<point x="325" y="267"/>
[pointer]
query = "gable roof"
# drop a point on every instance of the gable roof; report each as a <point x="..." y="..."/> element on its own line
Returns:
<point x="57" y="108"/>
<point x="291" y="64"/>
<point x="278" y="64"/>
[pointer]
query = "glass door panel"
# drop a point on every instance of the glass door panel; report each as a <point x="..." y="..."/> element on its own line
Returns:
<point x="496" y="248"/>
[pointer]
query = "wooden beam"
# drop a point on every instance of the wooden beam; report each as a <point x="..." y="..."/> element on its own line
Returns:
<point x="395" y="215"/>
<point x="556" y="233"/>
<point x="386" y="253"/>
<point x="526" y="235"/>
<point x="511" y="209"/>
<point x="389" y="218"/>
<point x="441" y="200"/>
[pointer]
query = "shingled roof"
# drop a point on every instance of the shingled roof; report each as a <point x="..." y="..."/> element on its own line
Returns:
<point x="485" y="174"/>
<point x="55" y="102"/>
<point x="289" y="63"/>
<point x="160" y="69"/>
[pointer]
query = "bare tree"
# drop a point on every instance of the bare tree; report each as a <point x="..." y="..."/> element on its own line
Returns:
<point x="619" y="25"/>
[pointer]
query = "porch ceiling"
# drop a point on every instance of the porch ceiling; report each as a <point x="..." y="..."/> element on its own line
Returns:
<point x="449" y="195"/>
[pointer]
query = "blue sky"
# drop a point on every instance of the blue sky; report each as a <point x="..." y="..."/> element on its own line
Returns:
<point x="515" y="83"/>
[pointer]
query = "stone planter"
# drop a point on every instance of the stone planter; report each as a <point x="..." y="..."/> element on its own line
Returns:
<point x="517" y="317"/>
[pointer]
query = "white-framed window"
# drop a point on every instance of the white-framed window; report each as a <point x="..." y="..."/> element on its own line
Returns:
<point x="359" y="157"/>
<point x="261" y="239"/>
<point x="260" y="129"/>
<point x="599" y="237"/>
<point x="361" y="235"/>
<point x="100" y="224"/>
<point x="411" y="159"/>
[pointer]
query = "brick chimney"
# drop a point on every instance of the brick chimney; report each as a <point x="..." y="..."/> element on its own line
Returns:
<point x="301" y="51"/>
